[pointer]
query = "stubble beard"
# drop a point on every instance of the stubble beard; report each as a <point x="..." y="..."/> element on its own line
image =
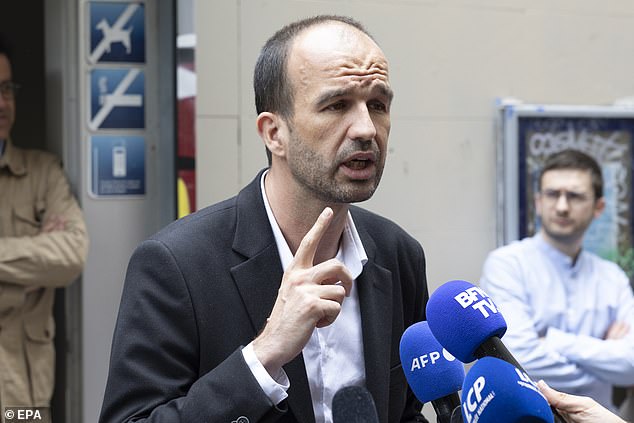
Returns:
<point x="568" y="237"/>
<point x="318" y="175"/>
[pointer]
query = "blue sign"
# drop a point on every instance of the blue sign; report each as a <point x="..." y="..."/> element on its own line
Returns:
<point x="117" y="99"/>
<point x="117" y="165"/>
<point x="117" y="32"/>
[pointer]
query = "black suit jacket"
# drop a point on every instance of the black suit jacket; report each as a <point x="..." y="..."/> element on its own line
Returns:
<point x="201" y="289"/>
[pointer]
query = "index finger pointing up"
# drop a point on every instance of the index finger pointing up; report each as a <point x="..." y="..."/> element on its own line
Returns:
<point x="308" y="247"/>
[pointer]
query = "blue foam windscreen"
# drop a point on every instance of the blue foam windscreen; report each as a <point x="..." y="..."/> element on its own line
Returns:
<point x="495" y="391"/>
<point x="430" y="370"/>
<point x="462" y="316"/>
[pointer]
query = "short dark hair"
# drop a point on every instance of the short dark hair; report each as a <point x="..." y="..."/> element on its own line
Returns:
<point x="5" y="48"/>
<point x="270" y="79"/>
<point x="577" y="160"/>
<point x="273" y="92"/>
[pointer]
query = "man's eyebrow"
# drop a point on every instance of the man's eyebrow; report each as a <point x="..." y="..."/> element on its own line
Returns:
<point x="386" y="91"/>
<point x="327" y="96"/>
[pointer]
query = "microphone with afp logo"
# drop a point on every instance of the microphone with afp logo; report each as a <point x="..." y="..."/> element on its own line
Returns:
<point x="433" y="373"/>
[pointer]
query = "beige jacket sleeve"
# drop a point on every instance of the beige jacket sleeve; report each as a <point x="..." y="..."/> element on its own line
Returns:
<point x="45" y="259"/>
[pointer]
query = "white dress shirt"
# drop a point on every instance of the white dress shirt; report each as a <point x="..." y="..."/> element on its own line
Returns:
<point x="558" y="312"/>
<point x="333" y="355"/>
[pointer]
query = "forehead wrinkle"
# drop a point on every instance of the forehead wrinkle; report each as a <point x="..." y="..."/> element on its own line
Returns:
<point x="371" y="62"/>
<point x="342" y="71"/>
<point x="320" y="53"/>
<point x="352" y="65"/>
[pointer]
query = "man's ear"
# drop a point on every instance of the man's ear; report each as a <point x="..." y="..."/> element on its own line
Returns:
<point x="599" y="206"/>
<point x="537" y="198"/>
<point x="273" y="131"/>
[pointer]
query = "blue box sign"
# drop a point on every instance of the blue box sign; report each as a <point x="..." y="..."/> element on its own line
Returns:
<point x="117" y="99"/>
<point x="117" y="32"/>
<point x="117" y="165"/>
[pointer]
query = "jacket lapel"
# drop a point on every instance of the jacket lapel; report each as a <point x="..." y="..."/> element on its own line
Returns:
<point x="258" y="280"/>
<point x="375" y="299"/>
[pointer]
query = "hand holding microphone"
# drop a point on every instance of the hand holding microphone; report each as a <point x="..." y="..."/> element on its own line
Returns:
<point x="432" y="372"/>
<point x="577" y="409"/>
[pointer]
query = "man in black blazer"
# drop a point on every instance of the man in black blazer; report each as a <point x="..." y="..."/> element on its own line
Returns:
<point x="259" y="308"/>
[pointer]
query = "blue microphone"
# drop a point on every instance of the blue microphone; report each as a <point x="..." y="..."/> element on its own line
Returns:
<point x="433" y="373"/>
<point x="465" y="321"/>
<point x="497" y="391"/>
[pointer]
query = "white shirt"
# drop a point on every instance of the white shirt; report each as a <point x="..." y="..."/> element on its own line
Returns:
<point x="333" y="355"/>
<point x="542" y="293"/>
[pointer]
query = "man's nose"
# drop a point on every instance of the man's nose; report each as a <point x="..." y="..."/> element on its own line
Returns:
<point x="362" y="127"/>
<point x="562" y="203"/>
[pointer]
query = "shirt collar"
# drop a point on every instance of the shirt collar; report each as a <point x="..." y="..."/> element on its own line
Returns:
<point x="351" y="252"/>
<point x="557" y="256"/>
<point x="12" y="159"/>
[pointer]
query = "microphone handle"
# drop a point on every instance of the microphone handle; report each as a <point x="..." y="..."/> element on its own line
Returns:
<point x="444" y="406"/>
<point x="494" y="347"/>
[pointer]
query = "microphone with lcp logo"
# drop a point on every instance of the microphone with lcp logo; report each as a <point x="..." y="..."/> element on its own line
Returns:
<point x="496" y="391"/>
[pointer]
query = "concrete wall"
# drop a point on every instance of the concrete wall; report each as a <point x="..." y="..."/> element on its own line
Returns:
<point x="449" y="62"/>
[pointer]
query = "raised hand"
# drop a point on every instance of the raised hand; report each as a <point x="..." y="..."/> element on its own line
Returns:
<point x="310" y="296"/>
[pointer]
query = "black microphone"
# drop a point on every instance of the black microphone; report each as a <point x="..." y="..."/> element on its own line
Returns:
<point x="465" y="321"/>
<point x="432" y="373"/>
<point x="353" y="404"/>
<point x="494" y="347"/>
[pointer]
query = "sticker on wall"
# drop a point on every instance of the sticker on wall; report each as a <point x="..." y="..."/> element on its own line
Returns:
<point x="117" y="99"/>
<point x="117" y="32"/>
<point x="117" y="165"/>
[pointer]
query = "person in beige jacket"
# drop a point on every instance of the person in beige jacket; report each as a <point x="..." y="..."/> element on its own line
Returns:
<point x="43" y="246"/>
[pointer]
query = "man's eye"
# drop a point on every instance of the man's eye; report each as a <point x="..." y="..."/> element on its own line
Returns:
<point x="378" y="106"/>
<point x="340" y="105"/>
